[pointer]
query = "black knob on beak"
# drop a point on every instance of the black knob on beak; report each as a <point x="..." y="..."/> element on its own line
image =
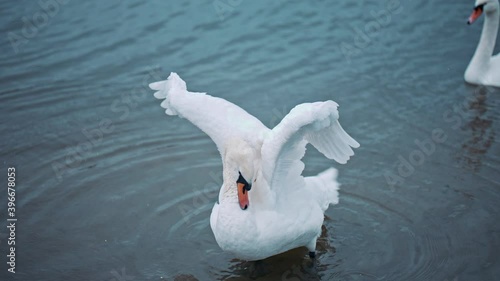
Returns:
<point x="242" y="180"/>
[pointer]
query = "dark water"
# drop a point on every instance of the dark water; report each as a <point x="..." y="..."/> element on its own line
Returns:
<point x="110" y="188"/>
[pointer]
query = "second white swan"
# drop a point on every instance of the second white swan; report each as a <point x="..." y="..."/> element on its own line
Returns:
<point x="484" y="69"/>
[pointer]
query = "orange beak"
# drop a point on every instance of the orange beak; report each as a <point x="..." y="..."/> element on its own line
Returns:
<point x="475" y="15"/>
<point x="243" y="196"/>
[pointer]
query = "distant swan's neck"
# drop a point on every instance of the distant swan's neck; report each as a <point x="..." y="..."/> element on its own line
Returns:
<point x="486" y="45"/>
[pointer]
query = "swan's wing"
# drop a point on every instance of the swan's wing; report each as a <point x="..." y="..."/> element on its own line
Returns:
<point x="219" y="119"/>
<point x="316" y="123"/>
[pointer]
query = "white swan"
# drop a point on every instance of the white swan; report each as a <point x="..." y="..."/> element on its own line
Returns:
<point x="265" y="206"/>
<point x="483" y="68"/>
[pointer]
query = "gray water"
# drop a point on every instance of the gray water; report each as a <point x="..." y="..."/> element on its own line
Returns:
<point x="110" y="188"/>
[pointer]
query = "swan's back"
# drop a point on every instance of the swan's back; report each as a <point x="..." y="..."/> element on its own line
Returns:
<point x="493" y="78"/>
<point x="324" y="187"/>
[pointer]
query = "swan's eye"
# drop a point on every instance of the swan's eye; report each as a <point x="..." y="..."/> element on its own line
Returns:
<point x="479" y="7"/>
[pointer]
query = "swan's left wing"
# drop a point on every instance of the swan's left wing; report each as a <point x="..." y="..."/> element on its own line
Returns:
<point x="315" y="123"/>
<point x="220" y="119"/>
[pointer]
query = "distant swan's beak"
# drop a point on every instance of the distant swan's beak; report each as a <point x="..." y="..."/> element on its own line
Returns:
<point x="475" y="14"/>
<point x="243" y="196"/>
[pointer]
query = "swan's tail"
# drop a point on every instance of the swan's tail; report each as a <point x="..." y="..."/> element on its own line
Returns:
<point x="174" y="85"/>
<point x="329" y="188"/>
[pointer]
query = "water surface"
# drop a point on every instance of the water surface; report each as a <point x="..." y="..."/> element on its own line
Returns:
<point x="110" y="188"/>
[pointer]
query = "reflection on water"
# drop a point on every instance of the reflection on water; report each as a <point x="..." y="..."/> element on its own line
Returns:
<point x="479" y="124"/>
<point x="132" y="196"/>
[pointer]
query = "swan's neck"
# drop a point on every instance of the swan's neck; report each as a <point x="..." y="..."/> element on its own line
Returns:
<point x="486" y="45"/>
<point x="228" y="192"/>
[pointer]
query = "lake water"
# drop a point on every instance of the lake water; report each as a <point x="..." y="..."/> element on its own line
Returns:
<point x="110" y="188"/>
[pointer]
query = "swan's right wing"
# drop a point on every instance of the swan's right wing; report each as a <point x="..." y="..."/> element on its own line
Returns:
<point x="219" y="119"/>
<point x="315" y="123"/>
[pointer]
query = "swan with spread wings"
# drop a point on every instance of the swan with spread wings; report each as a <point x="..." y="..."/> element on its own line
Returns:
<point x="265" y="206"/>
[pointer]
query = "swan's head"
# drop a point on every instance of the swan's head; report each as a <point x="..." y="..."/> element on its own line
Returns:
<point x="243" y="188"/>
<point x="487" y="6"/>
<point x="239" y="171"/>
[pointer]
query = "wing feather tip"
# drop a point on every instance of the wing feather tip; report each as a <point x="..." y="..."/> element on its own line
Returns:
<point x="157" y="86"/>
<point x="160" y="95"/>
<point x="354" y="144"/>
